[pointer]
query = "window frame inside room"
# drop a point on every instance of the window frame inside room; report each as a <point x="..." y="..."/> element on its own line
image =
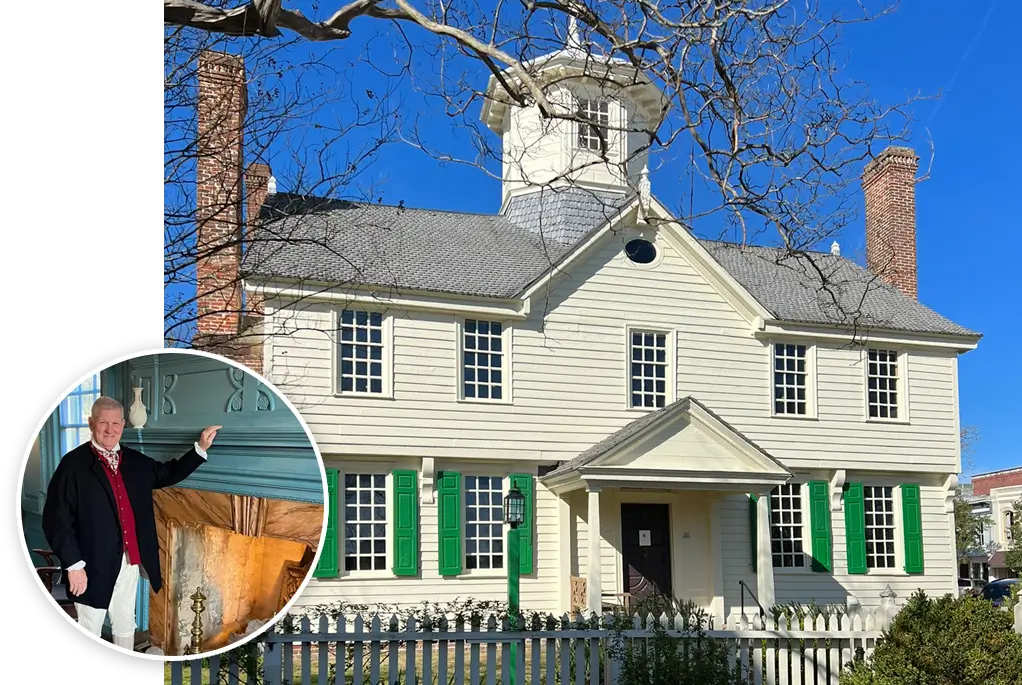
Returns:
<point x="77" y="397"/>
<point x="387" y="354"/>
<point x="507" y="340"/>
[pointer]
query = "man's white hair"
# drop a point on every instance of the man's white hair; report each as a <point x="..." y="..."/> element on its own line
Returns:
<point x="104" y="404"/>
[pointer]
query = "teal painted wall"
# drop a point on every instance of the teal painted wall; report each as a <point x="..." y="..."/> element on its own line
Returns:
<point x="262" y="449"/>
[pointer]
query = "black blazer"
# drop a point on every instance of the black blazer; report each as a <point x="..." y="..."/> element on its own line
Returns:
<point x="80" y="515"/>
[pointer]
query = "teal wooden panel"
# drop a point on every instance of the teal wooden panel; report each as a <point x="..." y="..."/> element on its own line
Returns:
<point x="262" y="449"/>
<point x="259" y="463"/>
<point x="182" y="390"/>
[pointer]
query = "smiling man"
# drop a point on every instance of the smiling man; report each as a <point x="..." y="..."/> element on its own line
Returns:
<point x="99" y="520"/>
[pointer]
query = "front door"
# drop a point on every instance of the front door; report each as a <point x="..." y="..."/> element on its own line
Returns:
<point x="646" y="549"/>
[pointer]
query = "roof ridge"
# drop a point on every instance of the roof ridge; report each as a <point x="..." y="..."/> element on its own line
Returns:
<point x="361" y="203"/>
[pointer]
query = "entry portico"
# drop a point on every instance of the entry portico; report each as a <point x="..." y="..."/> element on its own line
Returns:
<point x="648" y="518"/>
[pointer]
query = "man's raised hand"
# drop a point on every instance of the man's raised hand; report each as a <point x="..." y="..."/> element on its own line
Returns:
<point x="206" y="438"/>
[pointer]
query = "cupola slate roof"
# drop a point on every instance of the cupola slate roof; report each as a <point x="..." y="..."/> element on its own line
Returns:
<point x="497" y="256"/>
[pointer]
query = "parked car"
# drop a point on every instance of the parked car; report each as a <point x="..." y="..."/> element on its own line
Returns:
<point x="998" y="590"/>
<point x="964" y="586"/>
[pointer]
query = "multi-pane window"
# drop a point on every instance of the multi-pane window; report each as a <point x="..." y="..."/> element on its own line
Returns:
<point x="597" y="112"/>
<point x="484" y="529"/>
<point x="365" y="522"/>
<point x="361" y="355"/>
<point x="786" y="542"/>
<point x="882" y="382"/>
<point x="483" y="360"/>
<point x="879" y="506"/>
<point x="74" y="414"/>
<point x="648" y="369"/>
<point x="1009" y="521"/>
<point x="790" y="379"/>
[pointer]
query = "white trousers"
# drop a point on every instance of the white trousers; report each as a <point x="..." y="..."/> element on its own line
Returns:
<point x="121" y="610"/>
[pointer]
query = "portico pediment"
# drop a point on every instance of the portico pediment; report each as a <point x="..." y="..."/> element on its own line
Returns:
<point x="683" y="445"/>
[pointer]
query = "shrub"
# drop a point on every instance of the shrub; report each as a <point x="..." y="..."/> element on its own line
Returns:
<point x="664" y="659"/>
<point x="946" y="641"/>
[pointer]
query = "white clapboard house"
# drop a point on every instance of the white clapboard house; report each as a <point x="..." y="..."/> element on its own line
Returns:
<point x="685" y="415"/>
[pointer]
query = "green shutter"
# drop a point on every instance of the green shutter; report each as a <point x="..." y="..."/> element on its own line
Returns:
<point x="449" y="512"/>
<point x="329" y="559"/>
<point x="819" y="523"/>
<point x="526" y="531"/>
<point x="912" y="521"/>
<point x="406" y="523"/>
<point x="753" y="528"/>
<point x="855" y="528"/>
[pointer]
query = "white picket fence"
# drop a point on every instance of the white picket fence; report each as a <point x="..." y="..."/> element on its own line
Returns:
<point x="391" y="651"/>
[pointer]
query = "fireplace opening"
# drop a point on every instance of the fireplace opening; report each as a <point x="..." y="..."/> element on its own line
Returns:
<point x="246" y="556"/>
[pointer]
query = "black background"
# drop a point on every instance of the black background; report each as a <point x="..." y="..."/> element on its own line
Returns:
<point x="80" y="242"/>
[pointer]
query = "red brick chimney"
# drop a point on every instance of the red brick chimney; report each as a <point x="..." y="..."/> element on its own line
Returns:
<point x="224" y="318"/>
<point x="257" y="180"/>
<point x="222" y="106"/>
<point x="889" y="183"/>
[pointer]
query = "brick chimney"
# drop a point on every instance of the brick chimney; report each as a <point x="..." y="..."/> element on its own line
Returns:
<point x="889" y="185"/>
<point x="222" y="107"/>
<point x="257" y="185"/>
<point x="224" y="317"/>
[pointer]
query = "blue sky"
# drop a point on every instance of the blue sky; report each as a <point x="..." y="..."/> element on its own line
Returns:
<point x="966" y="242"/>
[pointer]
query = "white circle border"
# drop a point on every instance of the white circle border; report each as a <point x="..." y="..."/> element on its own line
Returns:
<point x="164" y="658"/>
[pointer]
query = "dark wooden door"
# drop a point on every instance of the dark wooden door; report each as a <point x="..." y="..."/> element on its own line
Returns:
<point x="646" y="549"/>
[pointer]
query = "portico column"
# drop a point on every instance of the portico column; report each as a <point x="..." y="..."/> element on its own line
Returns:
<point x="594" y="580"/>
<point x="764" y="555"/>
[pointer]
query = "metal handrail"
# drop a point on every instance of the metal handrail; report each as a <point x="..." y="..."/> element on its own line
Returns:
<point x="746" y="588"/>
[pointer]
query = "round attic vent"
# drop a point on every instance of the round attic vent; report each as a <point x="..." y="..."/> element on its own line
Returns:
<point x="640" y="251"/>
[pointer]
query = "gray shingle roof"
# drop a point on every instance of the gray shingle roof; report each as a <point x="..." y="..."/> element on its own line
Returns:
<point x="497" y="256"/>
<point x="789" y="285"/>
<point x="640" y="425"/>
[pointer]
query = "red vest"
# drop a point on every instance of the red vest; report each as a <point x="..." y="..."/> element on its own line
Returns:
<point x="124" y="512"/>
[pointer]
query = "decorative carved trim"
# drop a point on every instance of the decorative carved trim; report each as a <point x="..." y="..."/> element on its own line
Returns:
<point x="426" y="495"/>
<point x="237" y="380"/>
<point x="837" y="484"/>
<point x="169" y="383"/>
<point x="265" y="401"/>
<point x="294" y="575"/>
<point x="248" y="515"/>
<point x="950" y="489"/>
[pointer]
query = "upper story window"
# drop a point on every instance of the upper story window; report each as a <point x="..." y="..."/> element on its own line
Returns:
<point x="482" y="362"/>
<point x="1009" y="521"/>
<point x="362" y="352"/>
<point x="598" y="113"/>
<point x="791" y="379"/>
<point x="648" y="369"/>
<point x="74" y="412"/>
<point x="882" y="386"/>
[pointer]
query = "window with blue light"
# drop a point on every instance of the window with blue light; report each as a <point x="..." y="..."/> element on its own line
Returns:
<point x="73" y="414"/>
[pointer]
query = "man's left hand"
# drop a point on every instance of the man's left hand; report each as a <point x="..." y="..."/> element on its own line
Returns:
<point x="206" y="438"/>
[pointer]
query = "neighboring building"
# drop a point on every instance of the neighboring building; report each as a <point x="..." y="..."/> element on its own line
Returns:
<point x="682" y="414"/>
<point x="993" y="495"/>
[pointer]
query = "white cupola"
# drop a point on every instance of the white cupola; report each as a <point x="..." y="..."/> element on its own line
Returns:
<point x="537" y="151"/>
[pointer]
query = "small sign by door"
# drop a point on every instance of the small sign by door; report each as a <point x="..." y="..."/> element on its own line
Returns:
<point x="644" y="538"/>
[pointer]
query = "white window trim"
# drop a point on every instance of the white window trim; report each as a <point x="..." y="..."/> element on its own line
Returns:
<point x="504" y="488"/>
<point x="807" y="539"/>
<point x="615" y="133"/>
<point x="903" y="389"/>
<point x="672" y="363"/>
<point x="651" y="236"/>
<point x="898" y="570"/>
<point x="388" y="572"/>
<point x="812" y="403"/>
<point x="507" y="337"/>
<point x="388" y="357"/>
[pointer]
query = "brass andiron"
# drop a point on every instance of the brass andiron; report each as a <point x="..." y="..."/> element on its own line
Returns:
<point x="198" y="606"/>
